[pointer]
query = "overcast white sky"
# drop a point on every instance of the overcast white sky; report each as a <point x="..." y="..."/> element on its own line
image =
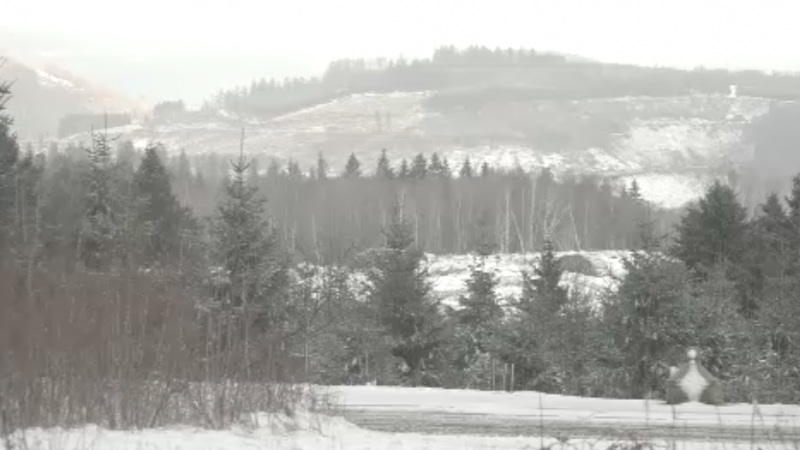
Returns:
<point x="168" y="48"/>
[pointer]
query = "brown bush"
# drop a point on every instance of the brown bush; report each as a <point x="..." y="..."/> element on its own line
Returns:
<point x="127" y="350"/>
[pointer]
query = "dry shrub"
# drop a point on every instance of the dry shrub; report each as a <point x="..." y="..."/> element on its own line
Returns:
<point x="127" y="350"/>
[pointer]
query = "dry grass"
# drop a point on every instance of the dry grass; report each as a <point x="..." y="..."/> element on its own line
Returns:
<point x="129" y="350"/>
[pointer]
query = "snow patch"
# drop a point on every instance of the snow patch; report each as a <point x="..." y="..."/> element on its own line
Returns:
<point x="669" y="190"/>
<point x="449" y="274"/>
<point x="49" y="80"/>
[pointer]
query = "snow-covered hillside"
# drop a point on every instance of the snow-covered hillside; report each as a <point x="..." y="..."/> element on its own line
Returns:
<point x="669" y="144"/>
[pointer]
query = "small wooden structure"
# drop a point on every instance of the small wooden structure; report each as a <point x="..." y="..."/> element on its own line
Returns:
<point x="691" y="382"/>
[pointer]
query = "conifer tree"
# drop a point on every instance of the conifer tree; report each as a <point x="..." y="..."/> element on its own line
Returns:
<point x="770" y="241"/>
<point x="635" y="192"/>
<point x="322" y="167"/>
<point x="100" y="226"/>
<point x="384" y="168"/>
<point x="157" y="212"/>
<point x="480" y="310"/>
<point x="439" y="167"/>
<point x="352" y="168"/>
<point x="273" y="169"/>
<point x="293" y="170"/>
<point x="28" y="187"/>
<point x="400" y="290"/>
<point x="419" y="167"/>
<point x="9" y="154"/>
<point x="486" y="170"/>
<point x="246" y="249"/>
<point x="466" y="169"/>
<point x="644" y="315"/>
<point x="404" y="172"/>
<point x="712" y="231"/>
<point x="541" y="292"/>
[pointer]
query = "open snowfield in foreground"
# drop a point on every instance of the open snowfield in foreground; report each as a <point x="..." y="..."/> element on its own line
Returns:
<point x="307" y="431"/>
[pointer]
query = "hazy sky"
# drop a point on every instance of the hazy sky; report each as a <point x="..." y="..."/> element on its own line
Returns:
<point x="178" y="48"/>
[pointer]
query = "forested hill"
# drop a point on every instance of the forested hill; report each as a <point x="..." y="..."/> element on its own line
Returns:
<point x="675" y="131"/>
<point x="475" y="76"/>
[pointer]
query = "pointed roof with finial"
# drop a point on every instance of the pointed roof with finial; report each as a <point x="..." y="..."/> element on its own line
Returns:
<point x="683" y="369"/>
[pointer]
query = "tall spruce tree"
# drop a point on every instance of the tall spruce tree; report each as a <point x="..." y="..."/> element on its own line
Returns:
<point x="157" y="213"/>
<point x="9" y="154"/>
<point x="643" y="316"/>
<point x="100" y="228"/>
<point x="384" y="167"/>
<point x="352" y="168"/>
<point x="419" y="167"/>
<point x="401" y="292"/>
<point x="322" y="167"/>
<point x="541" y="292"/>
<point x="712" y="231"/>
<point x="247" y="250"/>
<point x="480" y="310"/>
<point x="466" y="169"/>
<point x="404" y="172"/>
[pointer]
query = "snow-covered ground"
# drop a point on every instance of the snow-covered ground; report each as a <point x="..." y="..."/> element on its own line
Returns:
<point x="558" y="407"/>
<point x="305" y="431"/>
<point x="450" y="273"/>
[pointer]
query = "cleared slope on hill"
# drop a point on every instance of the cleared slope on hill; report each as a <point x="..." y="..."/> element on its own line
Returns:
<point x="673" y="145"/>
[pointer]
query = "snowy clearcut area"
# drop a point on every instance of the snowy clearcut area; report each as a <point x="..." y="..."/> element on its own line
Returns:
<point x="668" y="144"/>
<point x="536" y="412"/>
<point x="599" y="271"/>
<point x="449" y="273"/>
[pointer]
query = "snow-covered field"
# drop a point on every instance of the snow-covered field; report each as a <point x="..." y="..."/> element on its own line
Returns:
<point x="775" y="427"/>
<point x="672" y="137"/>
<point x="451" y="272"/>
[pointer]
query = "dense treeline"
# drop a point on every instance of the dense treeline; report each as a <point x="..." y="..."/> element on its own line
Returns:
<point x="311" y="204"/>
<point x="116" y="295"/>
<point x="476" y="75"/>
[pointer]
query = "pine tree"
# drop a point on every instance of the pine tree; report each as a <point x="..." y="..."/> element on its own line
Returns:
<point x="793" y="224"/>
<point x="401" y="293"/>
<point x="156" y="212"/>
<point x="486" y="170"/>
<point x="446" y="172"/>
<point x="293" y="170"/>
<point x="274" y="169"/>
<point x="541" y="292"/>
<point x="466" y="169"/>
<point x="644" y="315"/>
<point x="246" y="249"/>
<point x="352" y="168"/>
<point x="28" y="187"/>
<point x="419" y="167"/>
<point x="322" y="167"/>
<point x="100" y="227"/>
<point x="9" y="154"/>
<point x="635" y="192"/>
<point x="712" y="232"/>
<point x="480" y="310"/>
<point x="404" y="172"/>
<point x="384" y="168"/>
<point x="439" y="167"/>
